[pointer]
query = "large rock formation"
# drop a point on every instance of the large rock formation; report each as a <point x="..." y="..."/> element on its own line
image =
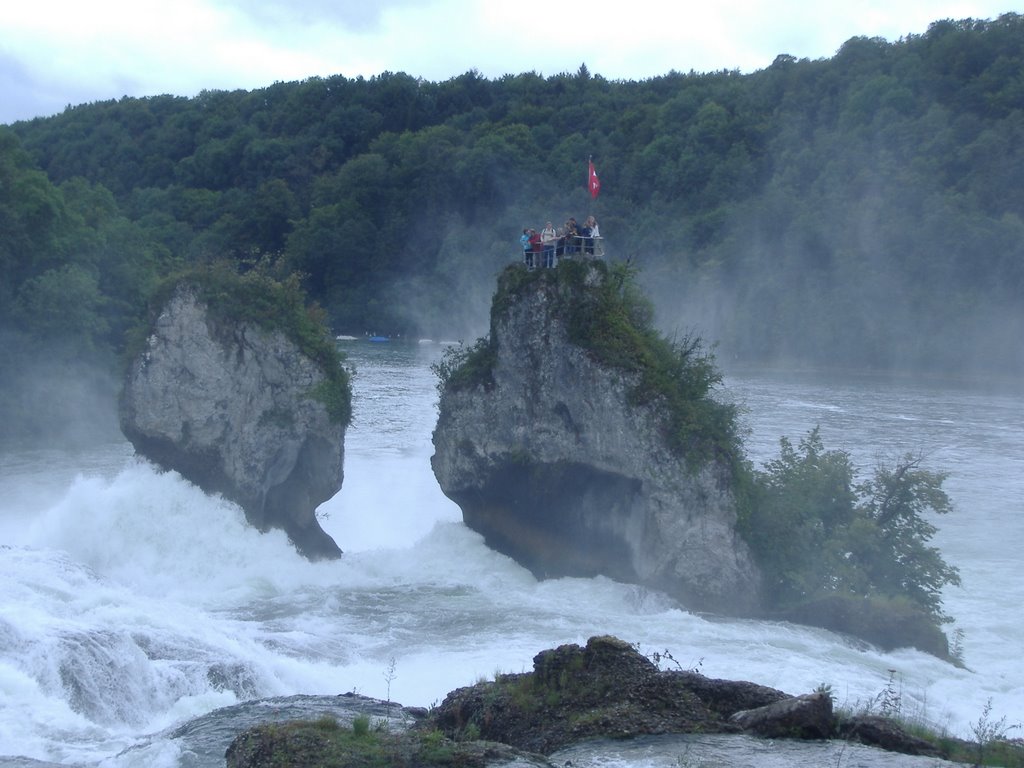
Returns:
<point x="605" y="689"/>
<point x="556" y="461"/>
<point x="230" y="406"/>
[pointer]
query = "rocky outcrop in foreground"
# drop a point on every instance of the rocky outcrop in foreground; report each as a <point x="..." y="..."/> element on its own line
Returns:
<point x="608" y="689"/>
<point x="231" y="407"/>
<point x="555" y="459"/>
<point x="603" y="690"/>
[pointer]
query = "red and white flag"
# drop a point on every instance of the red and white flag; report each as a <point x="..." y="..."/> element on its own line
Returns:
<point x="593" y="183"/>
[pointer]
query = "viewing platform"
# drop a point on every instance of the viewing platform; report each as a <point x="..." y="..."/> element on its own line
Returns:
<point x="566" y="247"/>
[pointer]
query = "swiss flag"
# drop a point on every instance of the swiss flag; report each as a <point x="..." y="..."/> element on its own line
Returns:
<point x="593" y="182"/>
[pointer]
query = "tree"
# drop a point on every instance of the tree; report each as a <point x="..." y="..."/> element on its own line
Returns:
<point x="896" y="502"/>
<point x="32" y="216"/>
<point x="816" y="531"/>
<point x="805" y="500"/>
<point x="64" y="305"/>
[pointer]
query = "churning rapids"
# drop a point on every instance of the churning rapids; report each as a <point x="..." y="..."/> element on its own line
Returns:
<point x="143" y="623"/>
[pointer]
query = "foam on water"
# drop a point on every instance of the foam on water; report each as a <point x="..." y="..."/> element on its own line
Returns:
<point x="133" y="602"/>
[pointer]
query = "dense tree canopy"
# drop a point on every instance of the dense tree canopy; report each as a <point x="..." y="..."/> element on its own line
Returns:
<point x="860" y="211"/>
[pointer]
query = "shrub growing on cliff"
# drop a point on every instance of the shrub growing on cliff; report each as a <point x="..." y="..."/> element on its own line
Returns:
<point x="461" y="367"/>
<point x="818" y="533"/>
<point x="613" y="320"/>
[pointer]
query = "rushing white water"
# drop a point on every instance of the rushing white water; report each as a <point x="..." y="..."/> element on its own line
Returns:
<point x="134" y="607"/>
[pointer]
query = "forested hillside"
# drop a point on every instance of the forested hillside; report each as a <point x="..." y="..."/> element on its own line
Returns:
<point x="862" y="212"/>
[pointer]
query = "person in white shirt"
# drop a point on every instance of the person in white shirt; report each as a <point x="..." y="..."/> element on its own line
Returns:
<point x="548" y="236"/>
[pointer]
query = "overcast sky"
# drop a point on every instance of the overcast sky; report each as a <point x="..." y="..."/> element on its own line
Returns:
<point x="55" y="53"/>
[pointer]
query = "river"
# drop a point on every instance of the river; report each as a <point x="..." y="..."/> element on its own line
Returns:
<point x="143" y="622"/>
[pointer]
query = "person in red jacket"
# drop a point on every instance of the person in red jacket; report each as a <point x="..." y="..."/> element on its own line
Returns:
<point x="535" y="248"/>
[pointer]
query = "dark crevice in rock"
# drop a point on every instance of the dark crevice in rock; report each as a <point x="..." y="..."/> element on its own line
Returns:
<point x="560" y="519"/>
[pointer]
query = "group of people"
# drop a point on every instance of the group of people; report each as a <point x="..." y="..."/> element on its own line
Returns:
<point x="550" y="244"/>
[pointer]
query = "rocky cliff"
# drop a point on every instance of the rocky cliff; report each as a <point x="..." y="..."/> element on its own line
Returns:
<point x="231" y="405"/>
<point x="560" y="450"/>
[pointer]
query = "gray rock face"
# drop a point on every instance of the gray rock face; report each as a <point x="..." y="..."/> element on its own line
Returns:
<point x="805" y="717"/>
<point x="557" y="469"/>
<point x="228" y="406"/>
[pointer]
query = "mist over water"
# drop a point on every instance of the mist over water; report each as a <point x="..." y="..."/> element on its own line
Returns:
<point x="785" y="316"/>
<point x="133" y="603"/>
<point x="55" y="394"/>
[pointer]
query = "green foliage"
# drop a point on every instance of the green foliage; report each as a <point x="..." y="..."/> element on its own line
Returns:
<point x="804" y="500"/>
<point x="63" y="303"/>
<point x="436" y="748"/>
<point x="31" y="217"/>
<point x="361" y="725"/>
<point x="991" y="744"/>
<point x="326" y="723"/>
<point x="816" y="531"/>
<point x="614" y="321"/>
<point x="72" y="268"/>
<point x="868" y="204"/>
<point x="462" y="367"/>
<point x="989" y="732"/>
<point x="895" y="502"/>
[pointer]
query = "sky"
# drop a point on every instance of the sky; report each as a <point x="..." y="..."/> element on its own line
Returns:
<point x="59" y="53"/>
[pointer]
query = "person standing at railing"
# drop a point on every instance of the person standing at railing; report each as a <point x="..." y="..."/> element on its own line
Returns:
<point x="527" y="249"/>
<point x="586" y="244"/>
<point x="548" y="236"/>
<point x="535" y="249"/>
<point x="593" y="232"/>
<point x="572" y="234"/>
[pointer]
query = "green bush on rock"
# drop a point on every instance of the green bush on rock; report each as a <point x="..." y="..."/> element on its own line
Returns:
<point x="847" y="555"/>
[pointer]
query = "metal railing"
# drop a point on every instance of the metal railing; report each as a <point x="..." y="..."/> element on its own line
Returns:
<point x="566" y="247"/>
